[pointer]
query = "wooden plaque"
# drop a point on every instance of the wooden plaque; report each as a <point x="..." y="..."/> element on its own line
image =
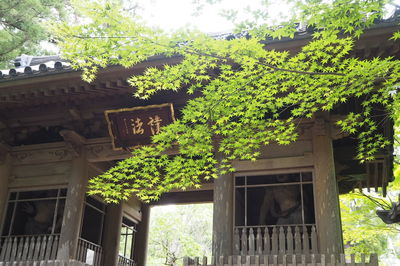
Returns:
<point x="131" y="127"/>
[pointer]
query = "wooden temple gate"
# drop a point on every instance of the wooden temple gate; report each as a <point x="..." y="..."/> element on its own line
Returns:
<point x="281" y="209"/>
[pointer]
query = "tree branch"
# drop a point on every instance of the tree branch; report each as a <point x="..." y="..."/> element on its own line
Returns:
<point x="218" y="57"/>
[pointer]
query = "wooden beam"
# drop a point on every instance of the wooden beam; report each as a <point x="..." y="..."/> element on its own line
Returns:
<point x="132" y="212"/>
<point x="44" y="181"/>
<point x="100" y="167"/>
<point x="222" y="240"/>
<point x="188" y="197"/>
<point x="141" y="237"/>
<point x="74" y="207"/>
<point x="73" y="140"/>
<point x="326" y="193"/>
<point x="5" y="173"/>
<point x="111" y="235"/>
<point x="4" y="150"/>
<point x="75" y="114"/>
<point x="276" y="163"/>
<point x="100" y="150"/>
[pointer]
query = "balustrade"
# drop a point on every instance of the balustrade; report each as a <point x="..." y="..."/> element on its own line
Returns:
<point x="287" y="239"/>
<point x="44" y="263"/>
<point x="24" y="248"/>
<point x="43" y="249"/>
<point x="122" y="261"/>
<point x="89" y="252"/>
<point x="285" y="260"/>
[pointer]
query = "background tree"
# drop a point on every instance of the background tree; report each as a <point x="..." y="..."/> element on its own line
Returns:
<point x="23" y="26"/>
<point x="178" y="231"/>
<point x="364" y="231"/>
<point x="245" y="88"/>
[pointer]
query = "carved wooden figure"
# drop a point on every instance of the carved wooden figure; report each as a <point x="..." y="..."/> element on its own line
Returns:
<point x="281" y="205"/>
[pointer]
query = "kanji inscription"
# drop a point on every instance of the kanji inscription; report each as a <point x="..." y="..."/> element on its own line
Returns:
<point x="135" y="126"/>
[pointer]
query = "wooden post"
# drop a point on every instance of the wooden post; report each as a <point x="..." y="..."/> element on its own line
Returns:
<point x="112" y="232"/>
<point x="327" y="209"/>
<point x="140" y="249"/>
<point x="73" y="210"/>
<point x="5" y="172"/>
<point x="223" y="214"/>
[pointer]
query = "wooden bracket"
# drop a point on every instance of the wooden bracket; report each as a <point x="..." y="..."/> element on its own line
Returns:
<point x="320" y="127"/>
<point x="74" y="141"/>
<point x="4" y="150"/>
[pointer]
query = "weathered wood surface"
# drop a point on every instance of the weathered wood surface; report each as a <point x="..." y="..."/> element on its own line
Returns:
<point x="5" y="172"/>
<point x="222" y="240"/>
<point x="279" y="163"/>
<point x="284" y="260"/>
<point x="275" y="240"/>
<point x="141" y="237"/>
<point x="111" y="234"/>
<point x="377" y="175"/>
<point x="44" y="263"/>
<point x="74" y="206"/>
<point x="98" y="150"/>
<point x="327" y="210"/>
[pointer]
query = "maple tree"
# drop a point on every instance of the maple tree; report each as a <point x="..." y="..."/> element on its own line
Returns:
<point x="245" y="87"/>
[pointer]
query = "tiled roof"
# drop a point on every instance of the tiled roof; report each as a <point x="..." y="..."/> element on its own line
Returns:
<point x="30" y="66"/>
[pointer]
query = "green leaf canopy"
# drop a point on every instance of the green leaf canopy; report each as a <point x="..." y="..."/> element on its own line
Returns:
<point x="250" y="95"/>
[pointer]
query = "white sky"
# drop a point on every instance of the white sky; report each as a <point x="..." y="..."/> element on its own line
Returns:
<point x="173" y="14"/>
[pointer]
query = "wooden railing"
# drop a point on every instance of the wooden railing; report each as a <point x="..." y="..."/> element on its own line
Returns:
<point x="284" y="260"/>
<point x="45" y="263"/>
<point x="378" y="172"/>
<point x="275" y="240"/>
<point x="28" y="248"/>
<point x="89" y="253"/>
<point x="122" y="261"/>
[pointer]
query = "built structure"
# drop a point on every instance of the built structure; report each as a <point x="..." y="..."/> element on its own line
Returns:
<point x="54" y="137"/>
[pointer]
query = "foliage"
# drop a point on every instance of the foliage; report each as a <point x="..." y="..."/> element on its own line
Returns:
<point x="326" y="17"/>
<point x="363" y="230"/>
<point x="23" y="25"/>
<point x="177" y="231"/>
<point x="250" y="95"/>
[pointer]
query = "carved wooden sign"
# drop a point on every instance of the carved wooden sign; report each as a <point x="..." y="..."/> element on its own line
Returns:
<point x="135" y="126"/>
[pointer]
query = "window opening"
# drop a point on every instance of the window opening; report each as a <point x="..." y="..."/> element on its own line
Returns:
<point x="127" y="238"/>
<point x="34" y="212"/>
<point x="93" y="220"/>
<point x="282" y="199"/>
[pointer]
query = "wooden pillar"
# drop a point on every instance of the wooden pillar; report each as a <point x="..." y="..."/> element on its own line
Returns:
<point x="223" y="214"/>
<point x="5" y="172"/>
<point x="327" y="207"/>
<point x="73" y="210"/>
<point x="141" y="237"/>
<point x="112" y="232"/>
